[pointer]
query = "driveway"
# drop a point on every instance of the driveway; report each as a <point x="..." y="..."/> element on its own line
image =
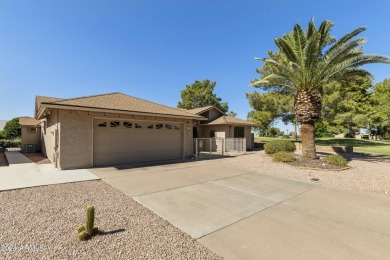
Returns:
<point x="243" y="214"/>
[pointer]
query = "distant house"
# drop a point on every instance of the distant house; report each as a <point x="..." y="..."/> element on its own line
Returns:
<point x="31" y="134"/>
<point x="116" y="128"/>
<point x="219" y="125"/>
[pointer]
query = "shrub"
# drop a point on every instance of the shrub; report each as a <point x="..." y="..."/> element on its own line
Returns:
<point x="285" y="137"/>
<point x="283" y="157"/>
<point x="279" y="146"/>
<point x="335" y="160"/>
<point x="5" y="143"/>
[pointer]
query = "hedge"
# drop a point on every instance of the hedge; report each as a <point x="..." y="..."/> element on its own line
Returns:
<point x="5" y="143"/>
<point x="279" y="146"/>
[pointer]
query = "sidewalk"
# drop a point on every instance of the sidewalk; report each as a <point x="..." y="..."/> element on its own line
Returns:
<point x="24" y="173"/>
<point x="16" y="158"/>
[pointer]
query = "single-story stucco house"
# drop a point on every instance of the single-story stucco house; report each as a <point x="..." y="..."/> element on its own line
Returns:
<point x="116" y="128"/>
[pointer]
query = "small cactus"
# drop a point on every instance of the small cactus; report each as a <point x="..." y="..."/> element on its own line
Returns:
<point x="84" y="236"/>
<point x="80" y="229"/>
<point x="90" y="220"/>
<point x="85" y="233"/>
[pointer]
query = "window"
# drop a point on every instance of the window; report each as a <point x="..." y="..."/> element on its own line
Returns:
<point x="102" y="124"/>
<point x="175" y="127"/>
<point x="127" y="124"/>
<point x="212" y="133"/>
<point x="114" y="124"/>
<point x="168" y="126"/>
<point x="32" y="129"/>
<point x="159" y="126"/>
<point x="239" y="132"/>
<point x="138" y="126"/>
<point x="150" y="126"/>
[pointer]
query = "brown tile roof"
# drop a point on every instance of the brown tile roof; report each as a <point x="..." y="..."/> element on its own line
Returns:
<point x="29" y="121"/>
<point x="199" y="110"/>
<point x="41" y="99"/>
<point x="120" y="102"/>
<point x="229" y="120"/>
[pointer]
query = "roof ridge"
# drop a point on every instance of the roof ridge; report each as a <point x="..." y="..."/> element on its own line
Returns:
<point x="156" y="103"/>
<point x="90" y="96"/>
<point x="48" y="97"/>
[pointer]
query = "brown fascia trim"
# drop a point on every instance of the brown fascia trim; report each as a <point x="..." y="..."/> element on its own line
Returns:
<point x="230" y="124"/>
<point x="94" y="109"/>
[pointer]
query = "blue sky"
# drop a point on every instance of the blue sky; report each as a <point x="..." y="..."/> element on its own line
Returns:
<point x="152" y="49"/>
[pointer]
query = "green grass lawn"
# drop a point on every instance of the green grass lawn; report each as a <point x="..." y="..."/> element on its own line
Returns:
<point x="371" y="147"/>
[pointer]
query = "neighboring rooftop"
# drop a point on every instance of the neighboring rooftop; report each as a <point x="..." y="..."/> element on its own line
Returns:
<point x="229" y="120"/>
<point x="2" y="124"/>
<point x="115" y="101"/>
<point x="29" y="121"/>
<point x="199" y="110"/>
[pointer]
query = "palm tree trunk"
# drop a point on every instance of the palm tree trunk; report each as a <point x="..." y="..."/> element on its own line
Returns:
<point x="308" y="140"/>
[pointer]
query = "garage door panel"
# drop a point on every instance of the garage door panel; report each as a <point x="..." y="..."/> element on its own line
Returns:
<point x="100" y="147"/>
<point x="116" y="145"/>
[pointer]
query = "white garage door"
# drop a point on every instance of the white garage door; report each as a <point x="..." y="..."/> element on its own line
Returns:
<point x="127" y="141"/>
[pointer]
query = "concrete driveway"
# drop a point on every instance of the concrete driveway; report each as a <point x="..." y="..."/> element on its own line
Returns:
<point x="247" y="215"/>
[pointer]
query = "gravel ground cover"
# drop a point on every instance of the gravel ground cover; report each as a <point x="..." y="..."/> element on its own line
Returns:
<point x="3" y="160"/>
<point x="38" y="158"/>
<point x="41" y="222"/>
<point x="368" y="174"/>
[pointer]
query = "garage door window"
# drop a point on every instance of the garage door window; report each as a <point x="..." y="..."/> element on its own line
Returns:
<point x="114" y="124"/>
<point x="168" y="126"/>
<point x="159" y="126"/>
<point x="176" y="127"/>
<point x="102" y="124"/>
<point x="128" y="124"/>
<point x="150" y="126"/>
<point x="138" y="126"/>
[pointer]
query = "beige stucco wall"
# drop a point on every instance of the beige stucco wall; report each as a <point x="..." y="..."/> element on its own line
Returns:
<point x="214" y="114"/>
<point x="76" y="135"/>
<point x="220" y="131"/>
<point x="188" y="138"/>
<point x="49" y="127"/>
<point x="75" y="129"/>
<point x="31" y="138"/>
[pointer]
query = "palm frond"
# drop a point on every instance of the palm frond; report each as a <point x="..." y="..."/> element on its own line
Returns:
<point x="311" y="28"/>
<point x="285" y="48"/>
<point x="324" y="31"/>
<point x="346" y="38"/>
<point x="299" y="44"/>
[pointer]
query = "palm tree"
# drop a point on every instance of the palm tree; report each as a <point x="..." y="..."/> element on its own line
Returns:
<point x="305" y="62"/>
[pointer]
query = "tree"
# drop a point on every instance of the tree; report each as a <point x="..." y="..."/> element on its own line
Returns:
<point x="347" y="105"/>
<point x="381" y="104"/>
<point x="232" y="113"/>
<point x="308" y="60"/>
<point x="200" y="94"/>
<point x="12" y="129"/>
<point x="267" y="107"/>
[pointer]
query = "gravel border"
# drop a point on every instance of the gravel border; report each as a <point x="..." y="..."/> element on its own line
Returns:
<point x="368" y="174"/>
<point x="3" y="160"/>
<point x="41" y="222"/>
